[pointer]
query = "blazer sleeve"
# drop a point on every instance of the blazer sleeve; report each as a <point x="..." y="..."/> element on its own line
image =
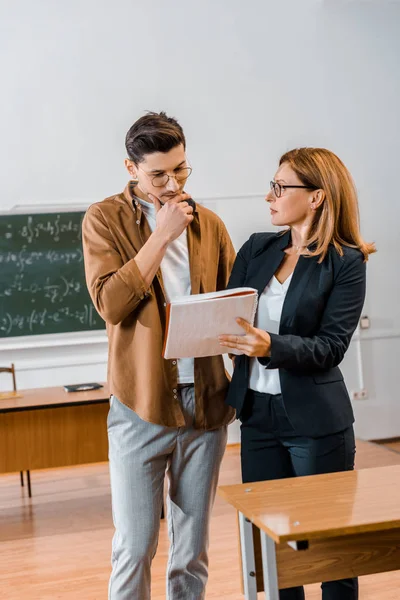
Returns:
<point x="326" y="349"/>
<point x="115" y="288"/>
<point x="239" y="271"/>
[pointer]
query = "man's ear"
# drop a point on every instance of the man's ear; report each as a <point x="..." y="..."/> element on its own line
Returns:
<point x="131" y="168"/>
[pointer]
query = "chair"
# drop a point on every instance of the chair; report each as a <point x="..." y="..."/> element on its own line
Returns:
<point x="11" y="370"/>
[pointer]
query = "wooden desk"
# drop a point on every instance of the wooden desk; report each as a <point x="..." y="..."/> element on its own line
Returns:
<point x="48" y="427"/>
<point x="318" y="528"/>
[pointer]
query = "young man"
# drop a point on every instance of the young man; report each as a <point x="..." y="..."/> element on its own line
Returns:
<point x="141" y="248"/>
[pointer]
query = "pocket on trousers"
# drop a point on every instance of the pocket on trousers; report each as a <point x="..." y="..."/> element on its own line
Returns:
<point x="285" y="424"/>
<point x="111" y="412"/>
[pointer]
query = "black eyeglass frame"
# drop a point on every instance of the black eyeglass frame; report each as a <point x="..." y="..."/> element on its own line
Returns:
<point x="274" y="185"/>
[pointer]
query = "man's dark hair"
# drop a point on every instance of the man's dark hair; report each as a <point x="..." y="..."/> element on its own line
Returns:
<point x="154" y="132"/>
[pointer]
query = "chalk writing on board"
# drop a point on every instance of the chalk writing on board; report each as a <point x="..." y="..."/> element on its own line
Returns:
<point x="36" y="320"/>
<point x="25" y="258"/>
<point x="54" y="289"/>
<point x="52" y="227"/>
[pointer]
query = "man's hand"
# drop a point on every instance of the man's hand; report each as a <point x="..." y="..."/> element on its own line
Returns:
<point x="173" y="217"/>
<point x="255" y="342"/>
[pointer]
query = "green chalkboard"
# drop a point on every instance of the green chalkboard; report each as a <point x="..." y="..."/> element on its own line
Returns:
<point x="42" y="281"/>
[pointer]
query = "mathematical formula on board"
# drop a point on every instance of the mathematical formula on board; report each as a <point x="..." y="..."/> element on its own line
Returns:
<point x="53" y="227"/>
<point x="42" y="284"/>
<point x="37" y="320"/>
<point x="26" y="257"/>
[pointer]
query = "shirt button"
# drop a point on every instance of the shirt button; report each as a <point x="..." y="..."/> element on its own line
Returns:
<point x="138" y="222"/>
<point x="174" y="391"/>
<point x="165" y="304"/>
<point x="175" y="397"/>
<point x="174" y="362"/>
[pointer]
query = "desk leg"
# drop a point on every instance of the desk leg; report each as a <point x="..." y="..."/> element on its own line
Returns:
<point x="248" y="559"/>
<point x="28" y="477"/>
<point x="269" y="567"/>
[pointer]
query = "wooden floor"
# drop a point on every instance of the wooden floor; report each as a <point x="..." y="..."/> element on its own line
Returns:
<point x="57" y="545"/>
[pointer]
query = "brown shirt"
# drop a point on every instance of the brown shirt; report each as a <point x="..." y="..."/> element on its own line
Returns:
<point x="113" y="233"/>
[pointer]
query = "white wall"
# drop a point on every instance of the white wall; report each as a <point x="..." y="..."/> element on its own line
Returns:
<point x="247" y="81"/>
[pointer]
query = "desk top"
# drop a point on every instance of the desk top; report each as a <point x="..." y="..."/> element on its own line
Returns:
<point x="321" y="506"/>
<point x="51" y="397"/>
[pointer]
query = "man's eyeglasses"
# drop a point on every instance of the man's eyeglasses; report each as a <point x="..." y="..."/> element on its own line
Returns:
<point x="161" y="180"/>
<point x="277" y="188"/>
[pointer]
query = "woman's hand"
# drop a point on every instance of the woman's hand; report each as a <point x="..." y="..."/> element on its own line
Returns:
<point x="255" y="342"/>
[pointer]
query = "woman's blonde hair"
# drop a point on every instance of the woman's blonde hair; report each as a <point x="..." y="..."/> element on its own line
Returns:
<point x="337" y="219"/>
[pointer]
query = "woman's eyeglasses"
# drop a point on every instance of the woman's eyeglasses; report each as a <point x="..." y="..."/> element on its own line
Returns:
<point x="277" y="188"/>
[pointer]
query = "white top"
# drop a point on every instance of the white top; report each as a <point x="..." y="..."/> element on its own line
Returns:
<point x="268" y="318"/>
<point x="175" y="270"/>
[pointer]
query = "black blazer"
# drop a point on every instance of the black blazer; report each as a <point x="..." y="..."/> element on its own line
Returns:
<point x="321" y="310"/>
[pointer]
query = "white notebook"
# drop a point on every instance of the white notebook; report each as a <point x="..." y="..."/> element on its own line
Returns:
<point x="195" y="322"/>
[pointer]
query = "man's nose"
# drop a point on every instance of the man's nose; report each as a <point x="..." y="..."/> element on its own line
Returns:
<point x="172" y="185"/>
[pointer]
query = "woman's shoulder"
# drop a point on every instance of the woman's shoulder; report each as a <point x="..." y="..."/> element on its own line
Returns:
<point x="258" y="242"/>
<point x="349" y="254"/>
<point x="346" y="265"/>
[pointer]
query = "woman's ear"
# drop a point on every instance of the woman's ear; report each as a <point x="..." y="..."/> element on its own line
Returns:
<point x="317" y="199"/>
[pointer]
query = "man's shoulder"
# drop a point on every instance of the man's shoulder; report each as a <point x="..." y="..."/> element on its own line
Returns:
<point x="107" y="207"/>
<point x="210" y="222"/>
<point x="208" y="215"/>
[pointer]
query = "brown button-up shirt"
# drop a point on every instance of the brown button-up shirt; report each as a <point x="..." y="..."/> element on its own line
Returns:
<point x="114" y="231"/>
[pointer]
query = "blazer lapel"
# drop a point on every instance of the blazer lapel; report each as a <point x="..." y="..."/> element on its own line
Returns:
<point x="265" y="265"/>
<point x="300" y="278"/>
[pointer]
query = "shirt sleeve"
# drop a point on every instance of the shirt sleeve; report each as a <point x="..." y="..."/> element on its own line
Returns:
<point x="116" y="289"/>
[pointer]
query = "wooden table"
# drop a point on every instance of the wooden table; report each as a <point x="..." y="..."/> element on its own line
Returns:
<point x="318" y="528"/>
<point x="48" y="427"/>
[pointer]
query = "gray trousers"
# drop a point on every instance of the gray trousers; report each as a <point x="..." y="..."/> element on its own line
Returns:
<point x="140" y="454"/>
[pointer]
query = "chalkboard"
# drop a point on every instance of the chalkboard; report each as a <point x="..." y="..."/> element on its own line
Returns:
<point x="42" y="281"/>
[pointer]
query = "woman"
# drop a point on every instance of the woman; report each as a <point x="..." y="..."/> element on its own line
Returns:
<point x="286" y="387"/>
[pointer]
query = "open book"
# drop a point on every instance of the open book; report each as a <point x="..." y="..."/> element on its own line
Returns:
<point x="195" y="322"/>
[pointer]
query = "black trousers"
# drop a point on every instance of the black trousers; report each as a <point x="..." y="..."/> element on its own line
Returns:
<point x="271" y="449"/>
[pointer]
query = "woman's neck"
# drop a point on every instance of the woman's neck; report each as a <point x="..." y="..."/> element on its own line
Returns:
<point x="299" y="237"/>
